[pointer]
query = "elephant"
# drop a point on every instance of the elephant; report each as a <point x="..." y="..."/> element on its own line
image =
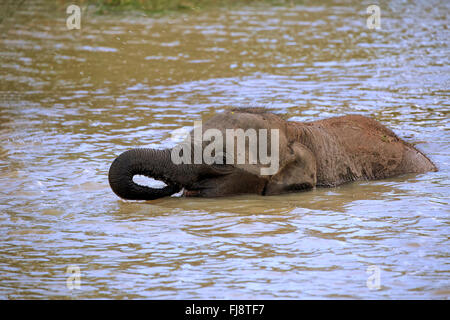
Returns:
<point x="322" y="153"/>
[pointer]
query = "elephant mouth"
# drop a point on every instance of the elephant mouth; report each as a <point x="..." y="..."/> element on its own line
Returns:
<point x="191" y="193"/>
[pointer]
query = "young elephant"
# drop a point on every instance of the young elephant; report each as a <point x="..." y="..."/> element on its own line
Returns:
<point x="322" y="153"/>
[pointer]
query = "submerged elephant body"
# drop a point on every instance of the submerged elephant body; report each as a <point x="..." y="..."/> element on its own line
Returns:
<point x="325" y="153"/>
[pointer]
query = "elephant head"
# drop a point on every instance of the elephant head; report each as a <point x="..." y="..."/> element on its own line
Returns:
<point x="219" y="178"/>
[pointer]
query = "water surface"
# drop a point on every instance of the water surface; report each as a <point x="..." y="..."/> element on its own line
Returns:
<point x="71" y="101"/>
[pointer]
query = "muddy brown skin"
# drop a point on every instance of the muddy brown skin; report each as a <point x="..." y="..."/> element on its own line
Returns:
<point x="324" y="153"/>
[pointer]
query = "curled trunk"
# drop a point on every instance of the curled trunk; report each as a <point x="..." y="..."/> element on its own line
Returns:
<point x="147" y="162"/>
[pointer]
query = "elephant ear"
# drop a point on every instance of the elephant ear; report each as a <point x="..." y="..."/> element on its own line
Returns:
<point x="299" y="173"/>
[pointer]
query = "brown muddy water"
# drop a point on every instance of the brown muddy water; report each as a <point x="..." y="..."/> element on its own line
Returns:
<point x="72" y="100"/>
